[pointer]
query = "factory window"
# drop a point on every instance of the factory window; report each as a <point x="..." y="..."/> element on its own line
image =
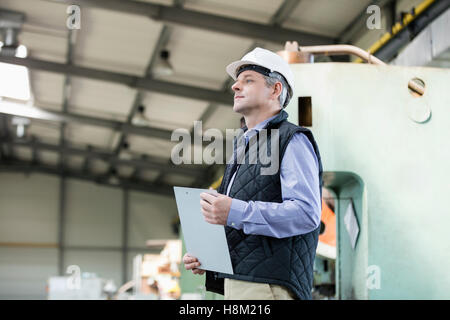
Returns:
<point x="304" y="111"/>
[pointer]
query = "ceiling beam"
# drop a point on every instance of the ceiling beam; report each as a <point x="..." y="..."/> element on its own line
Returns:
<point x="179" y="3"/>
<point x="21" y="110"/>
<point x="185" y="17"/>
<point x="71" y="36"/>
<point x="150" y="162"/>
<point x="144" y="83"/>
<point x="122" y="139"/>
<point x="7" y="152"/>
<point x="163" y="40"/>
<point x="11" y="19"/>
<point x="34" y="150"/>
<point x="284" y="12"/>
<point x="86" y="163"/>
<point x="137" y="185"/>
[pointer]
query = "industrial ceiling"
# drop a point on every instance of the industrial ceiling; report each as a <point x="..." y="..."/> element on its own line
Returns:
<point x="89" y="84"/>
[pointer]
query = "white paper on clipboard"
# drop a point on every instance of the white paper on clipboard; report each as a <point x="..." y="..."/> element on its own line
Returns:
<point x="207" y="242"/>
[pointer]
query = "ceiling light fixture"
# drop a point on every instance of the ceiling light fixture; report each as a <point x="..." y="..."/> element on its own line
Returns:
<point x="21" y="51"/>
<point x="10" y="47"/>
<point x="113" y="177"/>
<point x="22" y="124"/>
<point x="140" y="119"/>
<point x="163" y="67"/>
<point x="125" y="152"/>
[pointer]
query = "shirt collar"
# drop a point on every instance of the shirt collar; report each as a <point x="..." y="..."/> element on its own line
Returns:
<point x="259" y="126"/>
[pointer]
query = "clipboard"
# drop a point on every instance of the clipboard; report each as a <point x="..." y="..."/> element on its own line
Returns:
<point x="207" y="242"/>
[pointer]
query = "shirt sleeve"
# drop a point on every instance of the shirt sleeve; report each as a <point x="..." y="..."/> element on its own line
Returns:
<point x="300" y="211"/>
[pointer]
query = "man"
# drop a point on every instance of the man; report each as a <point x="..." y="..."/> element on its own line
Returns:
<point x="272" y="222"/>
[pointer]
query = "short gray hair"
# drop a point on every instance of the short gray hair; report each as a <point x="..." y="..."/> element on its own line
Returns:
<point x="284" y="97"/>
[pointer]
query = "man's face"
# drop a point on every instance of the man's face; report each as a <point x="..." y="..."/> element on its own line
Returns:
<point x="250" y="91"/>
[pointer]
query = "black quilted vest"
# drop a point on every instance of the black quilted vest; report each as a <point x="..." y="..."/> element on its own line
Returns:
<point x="256" y="258"/>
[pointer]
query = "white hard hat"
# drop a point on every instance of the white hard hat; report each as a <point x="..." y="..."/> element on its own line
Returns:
<point x="267" y="59"/>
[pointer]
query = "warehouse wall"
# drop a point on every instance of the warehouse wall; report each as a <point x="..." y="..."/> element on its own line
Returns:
<point x="92" y="230"/>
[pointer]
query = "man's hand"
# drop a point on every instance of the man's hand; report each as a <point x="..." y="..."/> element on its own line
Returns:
<point x="215" y="207"/>
<point x="192" y="263"/>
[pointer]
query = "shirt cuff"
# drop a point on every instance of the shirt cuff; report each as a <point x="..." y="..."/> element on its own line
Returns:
<point x="236" y="213"/>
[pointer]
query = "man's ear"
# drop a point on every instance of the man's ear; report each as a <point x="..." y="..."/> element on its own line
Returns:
<point x="277" y="89"/>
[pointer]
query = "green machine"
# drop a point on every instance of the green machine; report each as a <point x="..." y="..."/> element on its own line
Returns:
<point x="386" y="157"/>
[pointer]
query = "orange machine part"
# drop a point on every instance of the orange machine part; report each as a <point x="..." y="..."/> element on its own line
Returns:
<point x="329" y="220"/>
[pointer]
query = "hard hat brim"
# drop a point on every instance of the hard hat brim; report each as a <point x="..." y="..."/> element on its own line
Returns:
<point x="234" y="66"/>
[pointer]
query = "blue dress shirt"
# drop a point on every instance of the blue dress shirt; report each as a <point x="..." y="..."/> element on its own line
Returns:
<point x="300" y="211"/>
